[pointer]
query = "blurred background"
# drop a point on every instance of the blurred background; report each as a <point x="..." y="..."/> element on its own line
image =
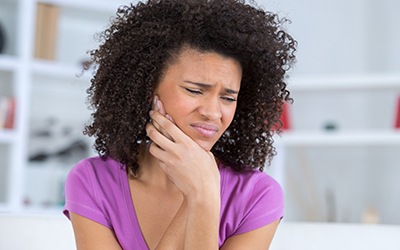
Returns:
<point x="338" y="158"/>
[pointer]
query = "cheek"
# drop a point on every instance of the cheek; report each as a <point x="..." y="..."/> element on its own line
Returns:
<point x="228" y="115"/>
<point x="168" y="99"/>
<point x="176" y="106"/>
<point x="179" y="111"/>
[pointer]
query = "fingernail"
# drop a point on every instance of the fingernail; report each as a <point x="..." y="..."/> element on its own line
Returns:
<point x="151" y="112"/>
<point x="155" y="100"/>
<point x="169" y="117"/>
<point x="158" y="105"/>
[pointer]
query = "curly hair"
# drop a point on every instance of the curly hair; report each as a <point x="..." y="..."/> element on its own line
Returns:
<point x="144" y="39"/>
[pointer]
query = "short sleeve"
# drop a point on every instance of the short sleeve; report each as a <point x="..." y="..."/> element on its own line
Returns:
<point x="265" y="204"/>
<point x="80" y="194"/>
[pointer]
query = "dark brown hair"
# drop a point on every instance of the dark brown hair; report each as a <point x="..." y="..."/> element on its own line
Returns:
<point x="143" y="39"/>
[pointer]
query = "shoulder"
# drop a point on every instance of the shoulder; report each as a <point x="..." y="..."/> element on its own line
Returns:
<point x="92" y="175"/>
<point x="249" y="181"/>
<point x="249" y="200"/>
<point x="96" y="167"/>
<point x="92" y="187"/>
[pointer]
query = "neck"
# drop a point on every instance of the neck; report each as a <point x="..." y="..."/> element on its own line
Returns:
<point x="150" y="172"/>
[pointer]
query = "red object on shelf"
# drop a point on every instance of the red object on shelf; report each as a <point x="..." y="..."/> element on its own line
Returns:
<point x="10" y="114"/>
<point x="285" y="118"/>
<point x="397" y="123"/>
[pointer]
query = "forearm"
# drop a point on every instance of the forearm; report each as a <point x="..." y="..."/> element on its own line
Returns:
<point x="202" y="224"/>
<point x="194" y="227"/>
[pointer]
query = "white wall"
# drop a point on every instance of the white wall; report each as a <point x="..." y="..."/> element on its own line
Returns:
<point x="341" y="36"/>
<point x="384" y="36"/>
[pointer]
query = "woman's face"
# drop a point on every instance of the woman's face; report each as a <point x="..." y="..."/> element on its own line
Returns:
<point x="199" y="91"/>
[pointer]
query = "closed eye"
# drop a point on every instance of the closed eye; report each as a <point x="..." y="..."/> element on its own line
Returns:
<point x="229" y="99"/>
<point x="193" y="91"/>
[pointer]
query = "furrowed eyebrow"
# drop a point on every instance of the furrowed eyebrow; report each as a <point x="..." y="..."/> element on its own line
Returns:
<point x="231" y="91"/>
<point x="208" y="86"/>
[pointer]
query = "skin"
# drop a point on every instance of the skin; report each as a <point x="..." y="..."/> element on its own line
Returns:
<point x="201" y="91"/>
<point x="194" y="104"/>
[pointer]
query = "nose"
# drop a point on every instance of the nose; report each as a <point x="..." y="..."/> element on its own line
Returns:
<point x="210" y="108"/>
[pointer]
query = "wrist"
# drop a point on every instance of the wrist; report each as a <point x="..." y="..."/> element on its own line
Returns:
<point x="202" y="225"/>
<point x="203" y="200"/>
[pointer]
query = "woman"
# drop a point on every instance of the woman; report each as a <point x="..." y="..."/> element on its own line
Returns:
<point x="186" y="97"/>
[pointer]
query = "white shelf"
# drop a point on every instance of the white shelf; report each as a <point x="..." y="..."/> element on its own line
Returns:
<point x="41" y="210"/>
<point x="345" y="82"/>
<point x="8" y="62"/>
<point x="59" y="70"/>
<point x="7" y="136"/>
<point x="24" y="76"/>
<point x="90" y="5"/>
<point x="4" y="207"/>
<point x="37" y="210"/>
<point x="345" y="138"/>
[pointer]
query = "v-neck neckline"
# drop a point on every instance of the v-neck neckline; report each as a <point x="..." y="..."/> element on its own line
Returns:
<point x="130" y="207"/>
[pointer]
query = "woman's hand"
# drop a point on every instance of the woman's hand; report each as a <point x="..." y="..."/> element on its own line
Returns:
<point x="195" y="173"/>
<point x="192" y="169"/>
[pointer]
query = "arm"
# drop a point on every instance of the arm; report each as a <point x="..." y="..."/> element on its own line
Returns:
<point x="92" y="235"/>
<point x="259" y="239"/>
<point x="189" y="221"/>
<point x="194" y="171"/>
<point x="203" y="222"/>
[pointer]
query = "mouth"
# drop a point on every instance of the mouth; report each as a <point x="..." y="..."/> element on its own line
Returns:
<point x="205" y="129"/>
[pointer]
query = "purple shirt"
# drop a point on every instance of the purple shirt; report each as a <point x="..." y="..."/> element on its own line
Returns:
<point x="99" y="190"/>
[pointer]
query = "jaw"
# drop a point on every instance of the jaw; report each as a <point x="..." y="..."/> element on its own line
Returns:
<point x="206" y="144"/>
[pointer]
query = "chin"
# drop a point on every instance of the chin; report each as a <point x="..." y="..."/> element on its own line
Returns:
<point x="207" y="146"/>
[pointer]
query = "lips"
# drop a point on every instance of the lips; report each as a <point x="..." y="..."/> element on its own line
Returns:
<point x="205" y="129"/>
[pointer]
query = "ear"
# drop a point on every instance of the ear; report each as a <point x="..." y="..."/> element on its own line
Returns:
<point x="151" y="100"/>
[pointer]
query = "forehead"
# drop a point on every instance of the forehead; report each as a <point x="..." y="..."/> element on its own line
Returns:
<point x="187" y="53"/>
<point x="206" y="66"/>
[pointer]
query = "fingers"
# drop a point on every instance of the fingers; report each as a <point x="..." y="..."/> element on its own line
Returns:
<point x="161" y="109"/>
<point x="157" y="137"/>
<point x="160" y="154"/>
<point x="166" y="124"/>
<point x="158" y="106"/>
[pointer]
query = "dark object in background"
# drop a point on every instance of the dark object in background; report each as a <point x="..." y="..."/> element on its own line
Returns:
<point x="330" y="126"/>
<point x="76" y="147"/>
<point x="52" y="139"/>
<point x="2" y="39"/>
